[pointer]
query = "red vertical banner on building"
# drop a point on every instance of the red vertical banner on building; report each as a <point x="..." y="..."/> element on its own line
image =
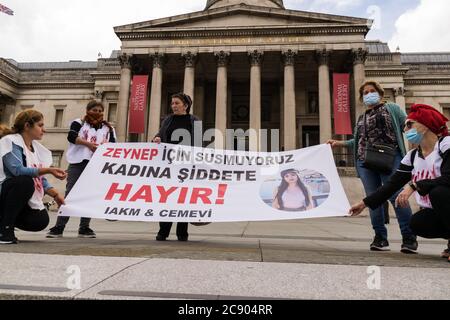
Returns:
<point x="138" y="104"/>
<point x="342" y="116"/>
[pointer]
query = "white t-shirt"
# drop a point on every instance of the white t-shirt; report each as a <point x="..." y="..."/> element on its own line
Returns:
<point x="427" y="169"/>
<point x="79" y="153"/>
<point x="294" y="199"/>
<point x="36" y="201"/>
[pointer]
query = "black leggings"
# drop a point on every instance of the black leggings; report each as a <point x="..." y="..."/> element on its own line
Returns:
<point x="14" y="209"/>
<point x="434" y="223"/>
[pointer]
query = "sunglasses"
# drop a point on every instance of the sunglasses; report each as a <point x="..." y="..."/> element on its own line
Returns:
<point x="409" y="124"/>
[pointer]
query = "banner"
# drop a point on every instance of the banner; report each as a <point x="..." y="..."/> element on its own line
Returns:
<point x="342" y="117"/>
<point x="171" y="183"/>
<point x="138" y="104"/>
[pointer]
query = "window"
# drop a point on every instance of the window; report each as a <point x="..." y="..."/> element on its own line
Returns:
<point x="112" y="113"/>
<point x="57" y="157"/>
<point x="59" y="115"/>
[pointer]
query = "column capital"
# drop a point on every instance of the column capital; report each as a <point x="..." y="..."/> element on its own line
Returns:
<point x="359" y="56"/>
<point x="99" y="94"/>
<point x="400" y="91"/>
<point x="288" y="57"/>
<point x="256" y="57"/>
<point x="158" y="59"/>
<point x="323" y="57"/>
<point x="223" y="58"/>
<point x="126" y="61"/>
<point x="190" y="59"/>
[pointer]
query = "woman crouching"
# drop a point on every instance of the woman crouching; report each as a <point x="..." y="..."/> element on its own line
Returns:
<point x="23" y="164"/>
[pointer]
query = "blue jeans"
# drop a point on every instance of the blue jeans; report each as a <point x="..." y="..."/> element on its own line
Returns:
<point x="372" y="181"/>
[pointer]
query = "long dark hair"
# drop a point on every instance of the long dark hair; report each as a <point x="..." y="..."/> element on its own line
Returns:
<point x="284" y="186"/>
<point x="186" y="99"/>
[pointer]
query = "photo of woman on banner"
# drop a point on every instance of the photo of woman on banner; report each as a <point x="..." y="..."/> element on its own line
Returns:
<point x="293" y="194"/>
<point x="84" y="137"/>
<point x="180" y="119"/>
<point x="23" y="164"/>
<point x="381" y="125"/>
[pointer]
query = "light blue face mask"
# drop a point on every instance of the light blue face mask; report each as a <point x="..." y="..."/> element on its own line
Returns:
<point x="372" y="99"/>
<point x="414" y="136"/>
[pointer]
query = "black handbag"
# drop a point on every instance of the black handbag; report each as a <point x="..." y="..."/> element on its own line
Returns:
<point x="379" y="157"/>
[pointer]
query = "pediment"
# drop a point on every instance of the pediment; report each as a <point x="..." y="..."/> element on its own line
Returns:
<point x="243" y="16"/>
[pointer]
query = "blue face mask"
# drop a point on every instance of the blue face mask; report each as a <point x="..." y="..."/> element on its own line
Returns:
<point x="414" y="136"/>
<point x="372" y="99"/>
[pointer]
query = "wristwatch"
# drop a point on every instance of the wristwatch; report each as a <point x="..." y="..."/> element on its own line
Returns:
<point x="413" y="186"/>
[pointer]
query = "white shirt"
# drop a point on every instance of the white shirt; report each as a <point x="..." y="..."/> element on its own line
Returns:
<point x="36" y="201"/>
<point x="294" y="199"/>
<point x="79" y="153"/>
<point x="427" y="169"/>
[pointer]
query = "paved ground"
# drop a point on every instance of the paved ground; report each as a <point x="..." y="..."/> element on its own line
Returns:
<point x="306" y="259"/>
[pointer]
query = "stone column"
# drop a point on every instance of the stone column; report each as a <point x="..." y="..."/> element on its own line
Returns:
<point x="290" y="108"/>
<point x="99" y="95"/>
<point x="124" y="96"/>
<point x="156" y="94"/>
<point x="400" y="97"/>
<point x="189" y="76"/>
<point x="323" y="59"/>
<point x="256" y="58"/>
<point x="222" y="58"/>
<point x="359" y="75"/>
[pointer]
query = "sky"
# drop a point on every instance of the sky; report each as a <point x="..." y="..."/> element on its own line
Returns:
<point x="63" y="30"/>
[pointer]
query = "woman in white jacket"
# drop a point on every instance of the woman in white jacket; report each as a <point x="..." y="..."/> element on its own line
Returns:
<point x="23" y="164"/>
<point x="84" y="137"/>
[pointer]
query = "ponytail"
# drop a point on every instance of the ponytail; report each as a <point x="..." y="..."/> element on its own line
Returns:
<point x="5" y="131"/>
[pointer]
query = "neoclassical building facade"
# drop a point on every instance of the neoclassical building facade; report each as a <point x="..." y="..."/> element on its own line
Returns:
<point x="246" y="63"/>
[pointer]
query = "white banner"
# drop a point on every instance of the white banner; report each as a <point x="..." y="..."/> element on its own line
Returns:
<point x="171" y="183"/>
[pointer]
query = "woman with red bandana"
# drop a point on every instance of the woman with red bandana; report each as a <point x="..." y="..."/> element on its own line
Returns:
<point x="426" y="170"/>
<point x="84" y="137"/>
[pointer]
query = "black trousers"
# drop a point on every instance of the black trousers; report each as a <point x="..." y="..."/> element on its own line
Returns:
<point x="165" y="227"/>
<point x="73" y="174"/>
<point x="434" y="223"/>
<point x="14" y="209"/>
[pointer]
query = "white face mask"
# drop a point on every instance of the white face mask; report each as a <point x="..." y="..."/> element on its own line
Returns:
<point x="372" y="99"/>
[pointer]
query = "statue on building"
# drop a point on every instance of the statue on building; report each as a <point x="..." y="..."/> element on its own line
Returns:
<point x="212" y="4"/>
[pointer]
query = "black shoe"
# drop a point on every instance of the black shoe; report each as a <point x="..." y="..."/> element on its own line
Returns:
<point x="7" y="236"/>
<point x="86" y="233"/>
<point x="183" y="239"/>
<point x="379" y="244"/>
<point x="55" y="233"/>
<point x="160" y="238"/>
<point x="410" y="245"/>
